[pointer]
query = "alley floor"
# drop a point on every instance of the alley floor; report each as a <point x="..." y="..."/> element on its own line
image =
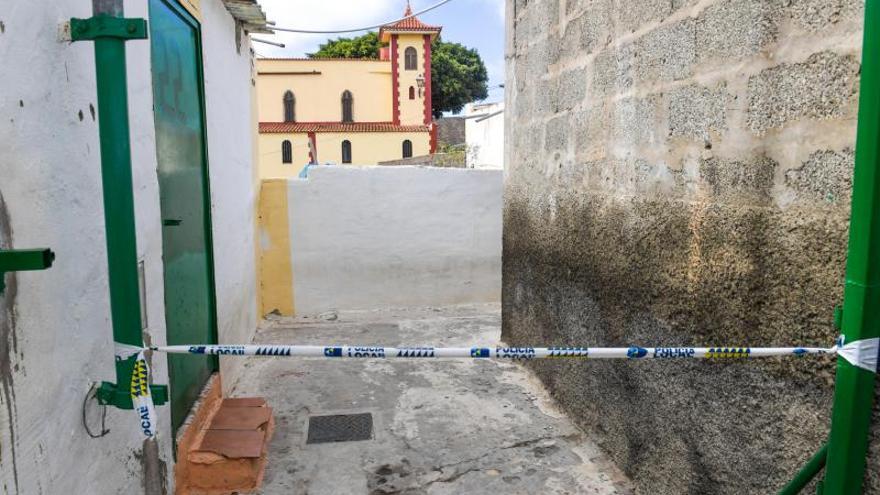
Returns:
<point x="439" y="426"/>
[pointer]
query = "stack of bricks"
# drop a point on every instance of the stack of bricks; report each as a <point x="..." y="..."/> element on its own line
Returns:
<point x="223" y="448"/>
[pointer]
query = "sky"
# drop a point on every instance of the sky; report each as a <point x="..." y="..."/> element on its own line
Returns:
<point x="474" y="23"/>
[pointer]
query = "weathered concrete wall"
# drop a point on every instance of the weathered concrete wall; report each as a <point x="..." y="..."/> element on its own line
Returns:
<point x="55" y="331"/>
<point x="450" y="130"/>
<point x="57" y="335"/>
<point x="372" y="237"/>
<point x="678" y="173"/>
<point x="454" y="159"/>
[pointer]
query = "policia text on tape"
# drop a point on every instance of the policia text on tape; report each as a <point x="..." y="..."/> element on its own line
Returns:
<point x="863" y="353"/>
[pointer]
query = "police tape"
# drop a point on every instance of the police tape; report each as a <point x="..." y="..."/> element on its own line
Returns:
<point x="861" y="353"/>
<point x="140" y="396"/>
<point x="513" y="353"/>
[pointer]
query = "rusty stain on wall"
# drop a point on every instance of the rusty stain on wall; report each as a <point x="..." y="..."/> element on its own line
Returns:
<point x="8" y="339"/>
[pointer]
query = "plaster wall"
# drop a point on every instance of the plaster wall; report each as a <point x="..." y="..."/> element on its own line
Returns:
<point x="55" y="331"/>
<point x="485" y="139"/>
<point x="376" y="237"/>
<point x="679" y="173"/>
<point x="412" y="112"/>
<point x="57" y="336"/>
<point x="319" y="95"/>
<point x="367" y="148"/>
<point x="229" y="100"/>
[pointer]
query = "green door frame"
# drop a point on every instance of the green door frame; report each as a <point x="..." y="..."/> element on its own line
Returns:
<point x="206" y="188"/>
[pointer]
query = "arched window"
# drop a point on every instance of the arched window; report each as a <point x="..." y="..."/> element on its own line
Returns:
<point x="347" y="106"/>
<point x="346" y="151"/>
<point x="407" y="148"/>
<point x="286" y="152"/>
<point x="409" y="58"/>
<point x="289" y="107"/>
<point x="412" y="93"/>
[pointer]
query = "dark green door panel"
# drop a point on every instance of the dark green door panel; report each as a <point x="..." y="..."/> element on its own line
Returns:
<point x="183" y="188"/>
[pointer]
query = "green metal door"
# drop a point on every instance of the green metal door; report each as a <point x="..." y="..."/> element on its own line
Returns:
<point x="183" y="187"/>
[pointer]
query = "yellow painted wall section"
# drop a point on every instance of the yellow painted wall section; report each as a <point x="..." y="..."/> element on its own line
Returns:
<point x="276" y="270"/>
<point x="257" y="184"/>
<point x="367" y="148"/>
<point x="319" y="96"/>
<point x="412" y="112"/>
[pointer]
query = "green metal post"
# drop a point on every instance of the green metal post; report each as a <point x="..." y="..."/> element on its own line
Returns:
<point x="110" y="31"/>
<point x="807" y="473"/>
<point x="125" y="305"/>
<point x="854" y="388"/>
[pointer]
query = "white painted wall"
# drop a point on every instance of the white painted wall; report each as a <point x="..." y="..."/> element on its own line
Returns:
<point x="229" y="107"/>
<point x="485" y="139"/>
<point x="370" y="237"/>
<point x="50" y="181"/>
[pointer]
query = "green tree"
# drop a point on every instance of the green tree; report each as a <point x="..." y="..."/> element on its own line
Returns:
<point x="458" y="75"/>
<point x="366" y="46"/>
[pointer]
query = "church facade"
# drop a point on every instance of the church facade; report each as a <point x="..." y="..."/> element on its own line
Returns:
<point x="348" y="111"/>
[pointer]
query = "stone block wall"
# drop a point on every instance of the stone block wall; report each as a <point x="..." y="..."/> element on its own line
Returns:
<point x="679" y="173"/>
<point x="450" y="130"/>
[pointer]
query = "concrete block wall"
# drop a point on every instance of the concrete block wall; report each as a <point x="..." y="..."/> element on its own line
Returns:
<point x="679" y="173"/>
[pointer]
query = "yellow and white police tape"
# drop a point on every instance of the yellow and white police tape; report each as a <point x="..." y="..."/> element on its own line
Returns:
<point x="140" y="396"/>
<point x="861" y="353"/>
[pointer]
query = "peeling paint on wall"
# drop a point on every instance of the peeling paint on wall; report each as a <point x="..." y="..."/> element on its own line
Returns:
<point x="8" y="344"/>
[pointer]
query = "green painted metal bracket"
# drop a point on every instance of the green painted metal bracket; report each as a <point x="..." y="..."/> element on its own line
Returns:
<point x="807" y="473"/>
<point x="110" y="394"/>
<point x="19" y="260"/>
<point x="105" y="26"/>
<point x="110" y="31"/>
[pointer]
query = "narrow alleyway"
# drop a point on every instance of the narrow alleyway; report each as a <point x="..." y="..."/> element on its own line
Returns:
<point x="439" y="426"/>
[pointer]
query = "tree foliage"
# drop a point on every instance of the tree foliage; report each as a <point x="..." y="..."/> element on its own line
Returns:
<point x="458" y="75"/>
<point x="366" y="46"/>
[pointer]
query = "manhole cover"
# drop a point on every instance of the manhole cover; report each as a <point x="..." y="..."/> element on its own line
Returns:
<point x="340" y="428"/>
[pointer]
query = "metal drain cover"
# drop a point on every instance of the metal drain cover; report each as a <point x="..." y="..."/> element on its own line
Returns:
<point x="340" y="428"/>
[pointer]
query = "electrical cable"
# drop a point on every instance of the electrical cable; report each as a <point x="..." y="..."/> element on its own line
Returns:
<point x="104" y="431"/>
<point x="273" y="43"/>
<point x="366" y="28"/>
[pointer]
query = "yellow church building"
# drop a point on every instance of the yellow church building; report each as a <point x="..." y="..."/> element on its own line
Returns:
<point x="350" y="111"/>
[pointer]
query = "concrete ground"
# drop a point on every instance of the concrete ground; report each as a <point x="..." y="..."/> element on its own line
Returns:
<point x="440" y="426"/>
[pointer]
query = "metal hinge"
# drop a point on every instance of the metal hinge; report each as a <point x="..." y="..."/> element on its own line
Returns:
<point x="104" y="26"/>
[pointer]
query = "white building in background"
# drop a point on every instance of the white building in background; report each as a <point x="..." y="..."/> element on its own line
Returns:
<point x="484" y="134"/>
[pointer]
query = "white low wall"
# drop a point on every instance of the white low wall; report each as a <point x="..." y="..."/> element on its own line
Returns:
<point x="395" y="236"/>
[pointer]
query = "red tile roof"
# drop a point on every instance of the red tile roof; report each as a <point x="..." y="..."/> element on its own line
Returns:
<point x="409" y="23"/>
<point x="290" y="127"/>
